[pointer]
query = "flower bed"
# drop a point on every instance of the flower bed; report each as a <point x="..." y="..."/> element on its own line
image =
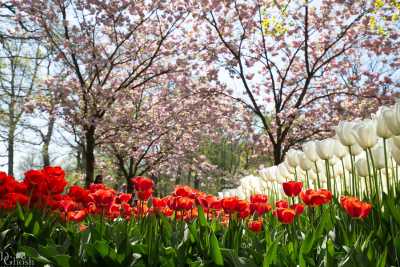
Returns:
<point x="61" y="225"/>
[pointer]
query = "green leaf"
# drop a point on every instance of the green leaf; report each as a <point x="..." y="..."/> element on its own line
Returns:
<point x="330" y="254"/>
<point x="382" y="259"/>
<point x="62" y="260"/>
<point x="20" y="212"/>
<point x="102" y="247"/>
<point x="201" y="216"/>
<point x="235" y="261"/>
<point x="395" y="212"/>
<point x="36" y="229"/>
<point x="307" y="243"/>
<point x="216" y="251"/>
<point x="28" y="219"/>
<point x="32" y="253"/>
<point x="270" y="255"/>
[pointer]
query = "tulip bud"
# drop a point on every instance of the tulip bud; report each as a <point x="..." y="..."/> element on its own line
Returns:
<point x="396" y="141"/>
<point x="378" y="155"/>
<point x="362" y="167"/>
<point x="347" y="163"/>
<point x="344" y="131"/>
<point x="291" y="158"/>
<point x="304" y="163"/>
<point x="283" y="171"/>
<point x="395" y="152"/>
<point x="340" y="150"/>
<point x="391" y="117"/>
<point x="365" y="133"/>
<point x="324" y="148"/>
<point x="355" y="149"/>
<point x="309" y="149"/>
<point x="382" y="130"/>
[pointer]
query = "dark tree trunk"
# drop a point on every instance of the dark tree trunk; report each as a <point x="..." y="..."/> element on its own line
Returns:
<point x="89" y="154"/>
<point x="278" y="153"/>
<point x="46" y="142"/>
<point x="10" y="148"/>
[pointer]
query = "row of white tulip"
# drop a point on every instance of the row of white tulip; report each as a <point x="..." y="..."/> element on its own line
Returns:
<point x="361" y="159"/>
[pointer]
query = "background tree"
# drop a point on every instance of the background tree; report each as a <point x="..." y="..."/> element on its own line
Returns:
<point x="21" y="59"/>
<point x="292" y="59"/>
<point x="110" y="49"/>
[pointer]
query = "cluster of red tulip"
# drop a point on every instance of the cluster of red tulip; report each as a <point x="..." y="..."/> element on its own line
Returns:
<point x="354" y="207"/>
<point x="44" y="189"/>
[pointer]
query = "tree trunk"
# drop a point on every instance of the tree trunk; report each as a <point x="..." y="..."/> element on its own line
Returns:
<point x="89" y="154"/>
<point x="278" y="153"/>
<point x="10" y="148"/>
<point x="46" y="142"/>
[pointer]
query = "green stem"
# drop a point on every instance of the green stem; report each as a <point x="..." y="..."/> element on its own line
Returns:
<point x="386" y="168"/>
<point x="375" y="177"/>
<point x="316" y="170"/>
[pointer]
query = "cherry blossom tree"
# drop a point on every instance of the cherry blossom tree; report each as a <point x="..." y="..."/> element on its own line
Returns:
<point x="110" y="50"/>
<point x="300" y="63"/>
<point x="156" y="131"/>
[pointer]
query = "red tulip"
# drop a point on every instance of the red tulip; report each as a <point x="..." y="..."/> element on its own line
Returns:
<point x="314" y="198"/>
<point x="103" y="197"/>
<point x="183" y="191"/>
<point x="79" y="194"/>
<point x="206" y="201"/>
<point x="230" y="204"/>
<point x="142" y="183"/>
<point x="94" y="187"/>
<point x="260" y="208"/>
<point x="76" y="216"/>
<point x="167" y="212"/>
<point x="255" y="226"/>
<point x="159" y="203"/>
<point x="285" y="215"/>
<point x="244" y="213"/>
<point x="282" y="204"/>
<point x="55" y="179"/>
<point x="184" y="203"/>
<point x="355" y="208"/>
<point x="216" y="205"/>
<point x="298" y="208"/>
<point x="124" y="198"/>
<point x="145" y="194"/>
<point x="242" y="205"/>
<point x="258" y="198"/>
<point x="292" y="188"/>
<point x="17" y="198"/>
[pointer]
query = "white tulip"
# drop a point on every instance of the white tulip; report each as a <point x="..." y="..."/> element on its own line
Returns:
<point x="338" y="169"/>
<point x="382" y="130"/>
<point x="365" y="133"/>
<point x="395" y="152"/>
<point x="356" y="149"/>
<point x="392" y="120"/>
<point x="362" y="167"/>
<point x="309" y="149"/>
<point x="304" y="163"/>
<point x="291" y="158"/>
<point x="283" y="171"/>
<point x="396" y="141"/>
<point x="378" y="155"/>
<point x="347" y="163"/>
<point x="340" y="150"/>
<point x="321" y="167"/>
<point x="333" y="160"/>
<point x="325" y="148"/>
<point x="344" y="131"/>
